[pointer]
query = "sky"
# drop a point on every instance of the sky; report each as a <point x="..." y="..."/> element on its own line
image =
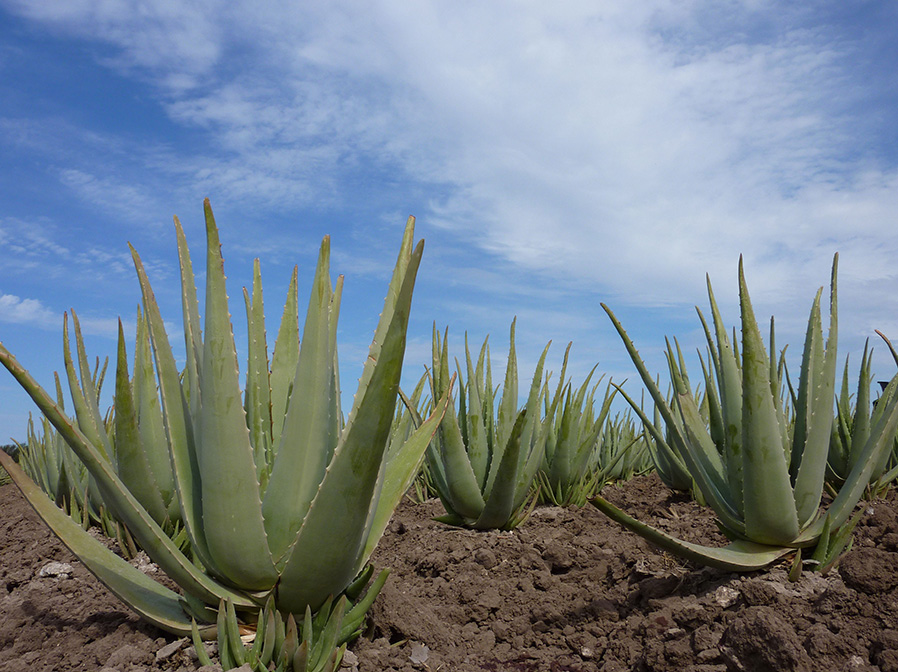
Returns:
<point x="556" y="156"/>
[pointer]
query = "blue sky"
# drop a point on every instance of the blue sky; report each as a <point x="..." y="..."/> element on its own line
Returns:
<point x="556" y="155"/>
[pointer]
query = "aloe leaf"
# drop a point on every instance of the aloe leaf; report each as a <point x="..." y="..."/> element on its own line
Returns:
<point x="257" y="394"/>
<point x="356" y="615"/>
<point x="500" y="505"/>
<point x="737" y="556"/>
<point x="476" y="437"/>
<point x="812" y="470"/>
<point x="811" y="365"/>
<point x="563" y="453"/>
<point x="314" y="568"/>
<point x="232" y="504"/>
<point x="860" y="430"/>
<point x="508" y="405"/>
<point x="132" y="465"/>
<point x="450" y="460"/>
<point x="149" y="599"/>
<point x="308" y="439"/>
<point x="716" y="425"/>
<point x="770" y="514"/>
<point x="88" y="421"/>
<point x="179" y="430"/>
<point x="150" y="424"/>
<point x="534" y="434"/>
<point x="90" y="386"/>
<point x="703" y="451"/>
<point x="193" y="336"/>
<point x="712" y="486"/>
<point x="730" y="387"/>
<point x="284" y="360"/>
<point x="889" y="345"/>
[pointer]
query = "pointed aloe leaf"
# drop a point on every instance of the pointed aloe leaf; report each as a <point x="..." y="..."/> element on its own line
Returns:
<point x="535" y="433"/>
<point x="700" y="444"/>
<point x="193" y="336"/>
<point x="500" y="504"/>
<point x="308" y="439"/>
<point x="150" y="600"/>
<point x="770" y="514"/>
<point x="715" y="414"/>
<point x="132" y="465"/>
<point x="508" y="405"/>
<point x="730" y="387"/>
<point x="91" y="385"/>
<point x="150" y="424"/>
<point x="563" y="454"/>
<point x="462" y="492"/>
<point x="257" y="395"/>
<point x="232" y="505"/>
<point x="179" y="430"/>
<point x="506" y="415"/>
<point x="341" y="508"/>
<point x="737" y="556"/>
<point x="476" y="438"/>
<point x="700" y="450"/>
<point x="822" y="375"/>
<point x="860" y="430"/>
<point x="356" y="615"/>
<point x="284" y="361"/>
<point x="889" y="345"/>
<point x="710" y="486"/>
<point x="146" y="531"/>
<point x="88" y="421"/>
<point x="811" y="365"/>
<point x="334" y="389"/>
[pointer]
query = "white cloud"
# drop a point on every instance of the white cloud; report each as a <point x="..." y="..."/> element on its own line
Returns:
<point x="178" y="41"/>
<point x="26" y="311"/>
<point x="17" y="310"/>
<point x="622" y="149"/>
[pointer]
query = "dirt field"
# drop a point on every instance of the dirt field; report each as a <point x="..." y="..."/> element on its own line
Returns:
<point x="568" y="590"/>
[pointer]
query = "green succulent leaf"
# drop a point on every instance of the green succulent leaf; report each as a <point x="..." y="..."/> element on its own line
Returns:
<point x="737" y="556"/>
<point x="152" y="601"/>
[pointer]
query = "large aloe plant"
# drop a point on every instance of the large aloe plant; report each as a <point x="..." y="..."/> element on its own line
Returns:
<point x="281" y="499"/>
<point x="762" y="474"/>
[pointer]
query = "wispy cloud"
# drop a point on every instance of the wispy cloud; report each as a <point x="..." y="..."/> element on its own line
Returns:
<point x="619" y="150"/>
<point x="26" y="311"/>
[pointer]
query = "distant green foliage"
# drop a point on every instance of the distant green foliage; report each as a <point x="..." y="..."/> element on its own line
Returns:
<point x="13" y="450"/>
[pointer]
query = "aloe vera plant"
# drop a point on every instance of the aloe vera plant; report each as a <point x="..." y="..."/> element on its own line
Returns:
<point x="577" y="457"/>
<point x="855" y="416"/>
<point x="483" y="460"/>
<point x="762" y="474"/>
<point x="281" y="498"/>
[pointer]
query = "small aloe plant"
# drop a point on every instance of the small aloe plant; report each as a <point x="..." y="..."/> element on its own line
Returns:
<point x="579" y="454"/>
<point x="762" y="474"/>
<point x="282" y="498"/>
<point x="855" y="417"/>
<point x="483" y="460"/>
